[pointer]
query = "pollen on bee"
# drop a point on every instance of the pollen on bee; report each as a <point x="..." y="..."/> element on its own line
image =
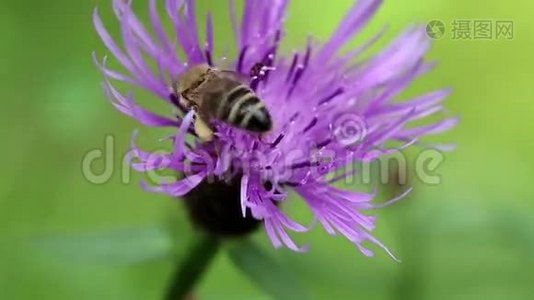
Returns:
<point x="203" y="131"/>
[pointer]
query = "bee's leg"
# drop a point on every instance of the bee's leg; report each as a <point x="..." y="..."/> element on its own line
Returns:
<point x="203" y="130"/>
<point x="186" y="104"/>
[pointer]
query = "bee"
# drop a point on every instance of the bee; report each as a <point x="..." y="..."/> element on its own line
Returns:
<point x="221" y="95"/>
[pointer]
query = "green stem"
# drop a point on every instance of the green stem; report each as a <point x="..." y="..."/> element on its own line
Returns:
<point x="194" y="265"/>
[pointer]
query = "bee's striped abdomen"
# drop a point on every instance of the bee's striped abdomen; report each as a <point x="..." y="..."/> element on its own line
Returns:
<point x="229" y="99"/>
<point x="242" y="108"/>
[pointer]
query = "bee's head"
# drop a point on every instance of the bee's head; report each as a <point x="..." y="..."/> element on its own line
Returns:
<point x="191" y="77"/>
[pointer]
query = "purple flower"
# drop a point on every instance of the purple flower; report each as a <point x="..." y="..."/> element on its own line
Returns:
<point x="329" y="110"/>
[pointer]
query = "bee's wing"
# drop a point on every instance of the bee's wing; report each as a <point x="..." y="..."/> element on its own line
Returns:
<point x="235" y="76"/>
<point x="211" y="93"/>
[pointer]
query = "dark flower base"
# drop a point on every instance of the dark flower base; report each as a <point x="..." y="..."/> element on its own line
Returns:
<point x="216" y="209"/>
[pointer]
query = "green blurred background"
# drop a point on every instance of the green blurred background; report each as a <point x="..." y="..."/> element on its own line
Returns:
<point x="471" y="237"/>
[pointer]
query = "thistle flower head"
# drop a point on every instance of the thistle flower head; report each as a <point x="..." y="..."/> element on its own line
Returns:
<point x="328" y="110"/>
